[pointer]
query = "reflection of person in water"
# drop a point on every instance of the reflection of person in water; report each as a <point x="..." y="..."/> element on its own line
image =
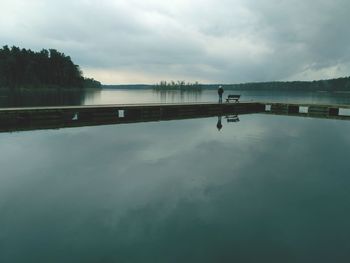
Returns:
<point x="220" y="91"/>
<point x="219" y="125"/>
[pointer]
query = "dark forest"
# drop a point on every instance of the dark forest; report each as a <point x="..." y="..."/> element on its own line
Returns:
<point x="23" y="68"/>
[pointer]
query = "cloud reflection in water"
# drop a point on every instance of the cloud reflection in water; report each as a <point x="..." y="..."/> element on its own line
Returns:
<point x="267" y="188"/>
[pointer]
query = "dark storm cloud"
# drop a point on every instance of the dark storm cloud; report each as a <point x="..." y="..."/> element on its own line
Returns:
<point x="209" y="41"/>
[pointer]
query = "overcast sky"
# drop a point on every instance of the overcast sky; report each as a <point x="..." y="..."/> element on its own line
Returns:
<point x="210" y="41"/>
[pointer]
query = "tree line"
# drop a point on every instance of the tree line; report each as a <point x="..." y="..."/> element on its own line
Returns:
<point x="339" y="84"/>
<point x="47" y="68"/>
<point x="179" y="85"/>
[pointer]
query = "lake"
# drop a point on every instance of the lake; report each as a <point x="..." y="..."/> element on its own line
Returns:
<point x="268" y="188"/>
<point x="126" y="96"/>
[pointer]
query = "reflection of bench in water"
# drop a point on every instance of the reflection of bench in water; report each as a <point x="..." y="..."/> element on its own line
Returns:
<point x="232" y="118"/>
<point x="233" y="98"/>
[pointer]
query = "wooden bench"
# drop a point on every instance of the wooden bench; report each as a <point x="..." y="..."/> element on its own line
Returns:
<point x="233" y="98"/>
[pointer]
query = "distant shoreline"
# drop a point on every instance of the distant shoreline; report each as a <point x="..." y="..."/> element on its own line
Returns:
<point x="340" y="85"/>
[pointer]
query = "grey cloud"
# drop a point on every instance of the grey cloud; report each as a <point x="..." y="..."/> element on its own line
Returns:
<point x="217" y="41"/>
<point x="306" y="33"/>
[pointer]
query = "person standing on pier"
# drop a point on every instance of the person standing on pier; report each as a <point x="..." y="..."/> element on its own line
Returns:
<point x="220" y="92"/>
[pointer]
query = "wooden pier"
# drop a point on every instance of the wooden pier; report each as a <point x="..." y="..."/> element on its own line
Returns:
<point x="34" y="118"/>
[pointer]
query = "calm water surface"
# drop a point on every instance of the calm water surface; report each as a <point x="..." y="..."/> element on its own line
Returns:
<point x="125" y="96"/>
<point x="265" y="189"/>
<point x="151" y="96"/>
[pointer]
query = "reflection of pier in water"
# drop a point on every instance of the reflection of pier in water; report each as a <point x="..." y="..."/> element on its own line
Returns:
<point x="18" y="119"/>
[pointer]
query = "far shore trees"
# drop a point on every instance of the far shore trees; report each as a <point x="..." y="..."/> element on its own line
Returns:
<point x="22" y="68"/>
<point x="179" y="85"/>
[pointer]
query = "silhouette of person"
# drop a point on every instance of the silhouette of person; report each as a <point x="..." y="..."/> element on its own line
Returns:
<point x="219" y="125"/>
<point x="220" y="92"/>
